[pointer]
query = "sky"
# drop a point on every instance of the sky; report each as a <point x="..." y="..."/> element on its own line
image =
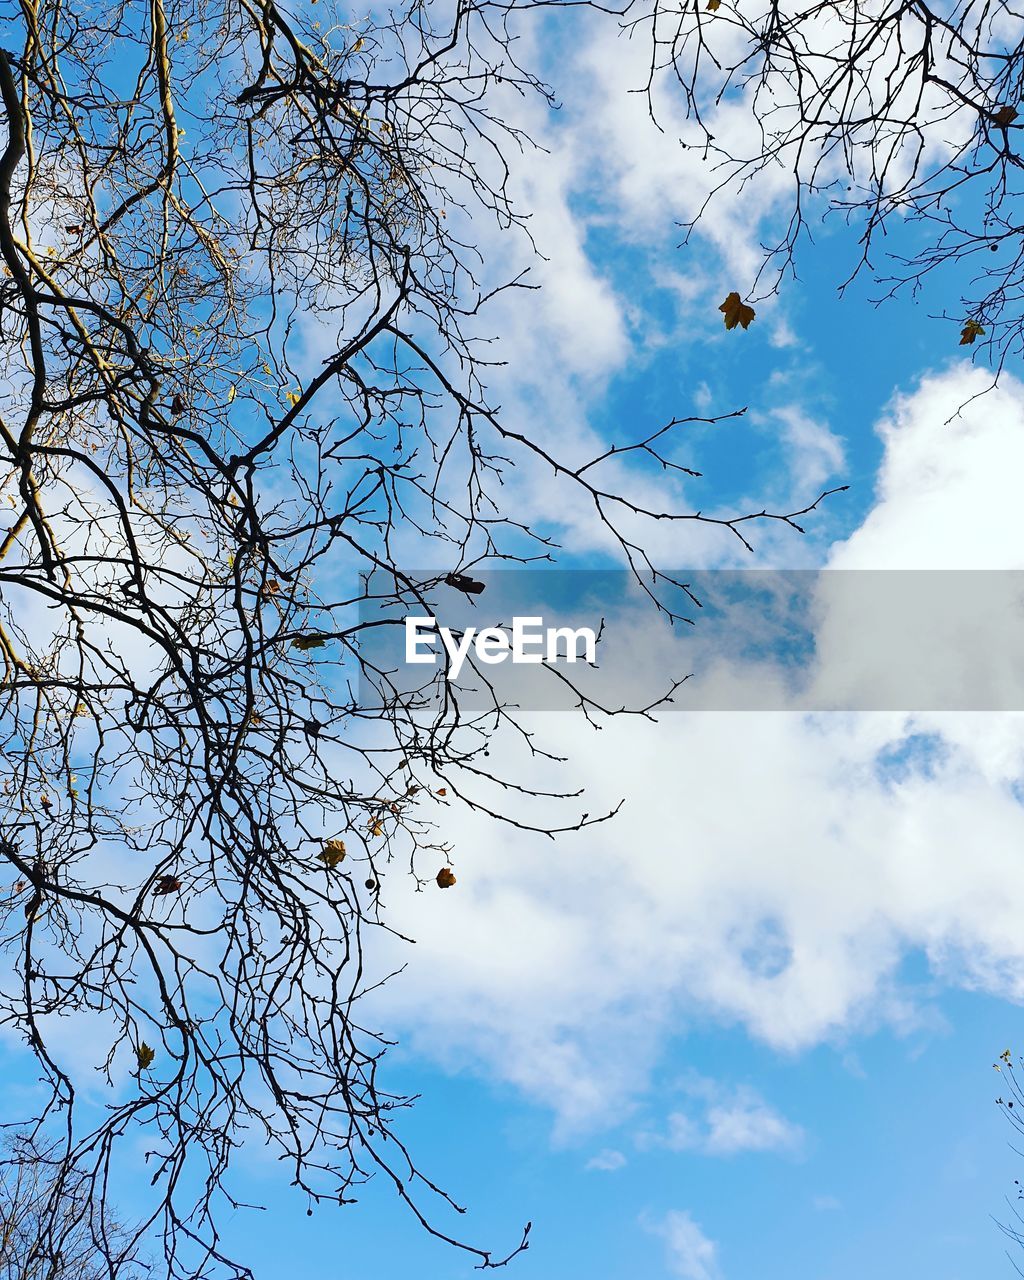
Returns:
<point x="748" y="1028"/>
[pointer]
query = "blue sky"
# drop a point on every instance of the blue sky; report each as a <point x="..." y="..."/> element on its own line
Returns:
<point x="654" y="1111"/>
<point x="748" y="1029"/>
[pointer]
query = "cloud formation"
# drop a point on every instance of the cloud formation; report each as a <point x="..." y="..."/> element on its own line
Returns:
<point x="721" y="1121"/>
<point x="688" y="1251"/>
<point x="769" y="870"/>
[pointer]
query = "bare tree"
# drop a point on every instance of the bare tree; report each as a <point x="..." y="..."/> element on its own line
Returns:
<point x="239" y="316"/>
<point x="48" y="1227"/>
<point x="902" y="118"/>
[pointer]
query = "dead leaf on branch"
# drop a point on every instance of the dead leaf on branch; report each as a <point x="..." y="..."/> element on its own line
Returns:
<point x="971" y="330"/>
<point x="145" y="1056"/>
<point x="736" y="312"/>
<point x="462" y="582"/>
<point x="333" y="853"/>
<point x="1004" y="115"/>
<point x="165" y="885"/>
<point x="445" y="878"/>
<point x="305" y="643"/>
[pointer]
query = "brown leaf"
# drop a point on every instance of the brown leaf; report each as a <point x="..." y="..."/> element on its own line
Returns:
<point x="333" y="853"/>
<point x="305" y="643"/>
<point x="1004" y="115"/>
<point x="445" y="878"/>
<point x="145" y="1056"/>
<point x="714" y="4"/>
<point x="165" y="885"/>
<point x="736" y="312"/>
<point x="178" y="404"/>
<point x="971" y="330"/>
<point x="462" y="582"/>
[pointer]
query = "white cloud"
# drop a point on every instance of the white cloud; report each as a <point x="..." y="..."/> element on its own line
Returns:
<point x="768" y="870"/>
<point x="606" y="1161"/>
<point x="726" y="1122"/>
<point x="816" y="452"/>
<point x="948" y="491"/>
<point x="688" y="1251"/>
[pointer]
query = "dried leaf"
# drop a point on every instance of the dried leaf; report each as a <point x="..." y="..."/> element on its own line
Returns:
<point x="145" y="1056"/>
<point x="178" y="404"/>
<point x="445" y="878"/>
<point x="462" y="582"/>
<point x="167" y="884"/>
<point x="971" y="330"/>
<point x="304" y="643"/>
<point x="714" y="4"/>
<point x="736" y="312"/>
<point x="1004" y="115"/>
<point x="333" y="853"/>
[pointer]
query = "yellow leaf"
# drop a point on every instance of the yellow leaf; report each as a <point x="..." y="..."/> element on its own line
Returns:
<point x="358" y="45"/>
<point x="376" y="829"/>
<point x="971" y="330"/>
<point x="231" y="393"/>
<point x="736" y="312"/>
<point x="293" y="397"/>
<point x="333" y="853"/>
<point x="145" y="1056"/>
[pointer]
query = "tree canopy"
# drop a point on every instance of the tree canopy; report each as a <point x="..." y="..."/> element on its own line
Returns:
<point x="240" y="313"/>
